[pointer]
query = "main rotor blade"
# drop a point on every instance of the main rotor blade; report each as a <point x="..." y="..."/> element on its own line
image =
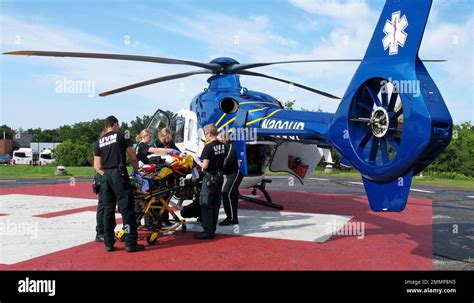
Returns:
<point x="248" y="73"/>
<point x="211" y="66"/>
<point x="239" y="67"/>
<point x="156" y="80"/>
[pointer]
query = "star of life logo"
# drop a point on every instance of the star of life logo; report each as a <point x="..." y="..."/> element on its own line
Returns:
<point x="394" y="33"/>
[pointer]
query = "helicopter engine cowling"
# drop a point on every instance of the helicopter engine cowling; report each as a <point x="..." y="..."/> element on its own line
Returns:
<point x="228" y="105"/>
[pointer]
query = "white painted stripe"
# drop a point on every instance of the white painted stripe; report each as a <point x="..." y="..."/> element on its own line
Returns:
<point x="441" y="217"/>
<point x="281" y="225"/>
<point x="25" y="237"/>
<point x="472" y="197"/>
<point x="412" y="189"/>
<point x="1" y="181"/>
<point x="320" y="179"/>
<point x="422" y="191"/>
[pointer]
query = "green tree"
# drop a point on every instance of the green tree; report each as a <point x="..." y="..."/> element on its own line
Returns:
<point x="289" y="104"/>
<point x="9" y="132"/>
<point x="74" y="153"/>
<point x="457" y="157"/>
<point x="136" y="126"/>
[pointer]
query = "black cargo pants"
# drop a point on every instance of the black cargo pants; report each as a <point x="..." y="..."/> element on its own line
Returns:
<point x="116" y="190"/>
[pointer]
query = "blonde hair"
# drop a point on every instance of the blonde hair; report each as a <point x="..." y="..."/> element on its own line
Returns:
<point x="164" y="132"/>
<point x="211" y="129"/>
<point x="143" y="133"/>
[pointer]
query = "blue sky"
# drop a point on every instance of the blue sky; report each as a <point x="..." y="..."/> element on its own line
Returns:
<point x="249" y="31"/>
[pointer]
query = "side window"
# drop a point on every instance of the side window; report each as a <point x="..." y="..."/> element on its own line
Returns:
<point x="190" y="129"/>
<point x="179" y="130"/>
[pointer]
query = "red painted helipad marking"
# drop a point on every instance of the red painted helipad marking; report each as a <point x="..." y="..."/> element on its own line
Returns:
<point x="67" y="212"/>
<point x="78" y="190"/>
<point x="393" y="241"/>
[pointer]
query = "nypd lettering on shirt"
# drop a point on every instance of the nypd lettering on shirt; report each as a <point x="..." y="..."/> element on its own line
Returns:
<point x="110" y="139"/>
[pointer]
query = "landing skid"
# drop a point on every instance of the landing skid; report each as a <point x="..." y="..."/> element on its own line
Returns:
<point x="268" y="200"/>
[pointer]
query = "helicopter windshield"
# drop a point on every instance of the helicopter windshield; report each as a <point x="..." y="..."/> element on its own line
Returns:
<point x="155" y="121"/>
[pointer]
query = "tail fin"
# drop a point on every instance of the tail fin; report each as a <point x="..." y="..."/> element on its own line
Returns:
<point x="399" y="30"/>
<point x="392" y="121"/>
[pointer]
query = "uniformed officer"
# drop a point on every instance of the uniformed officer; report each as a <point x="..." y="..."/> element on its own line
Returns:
<point x="212" y="161"/>
<point x="110" y="162"/>
<point x="230" y="192"/>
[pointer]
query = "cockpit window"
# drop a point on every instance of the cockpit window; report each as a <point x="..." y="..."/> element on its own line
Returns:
<point x="179" y="130"/>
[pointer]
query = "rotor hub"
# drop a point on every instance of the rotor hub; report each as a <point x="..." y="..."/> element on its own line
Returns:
<point x="379" y="122"/>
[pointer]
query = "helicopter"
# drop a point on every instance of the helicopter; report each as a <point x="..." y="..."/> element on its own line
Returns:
<point x="385" y="131"/>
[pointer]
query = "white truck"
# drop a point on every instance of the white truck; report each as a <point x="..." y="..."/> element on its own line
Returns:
<point x="45" y="157"/>
<point x="24" y="156"/>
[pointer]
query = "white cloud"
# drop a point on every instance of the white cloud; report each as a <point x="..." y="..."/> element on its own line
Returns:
<point x="347" y="10"/>
<point x="106" y="74"/>
<point x="19" y="34"/>
<point x="247" y="38"/>
<point x="225" y="35"/>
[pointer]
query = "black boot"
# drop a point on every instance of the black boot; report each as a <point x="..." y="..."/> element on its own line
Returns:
<point x="99" y="238"/>
<point x="134" y="248"/>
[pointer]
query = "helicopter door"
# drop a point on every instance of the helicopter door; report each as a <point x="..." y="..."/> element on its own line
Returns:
<point x="187" y="132"/>
<point x="296" y="158"/>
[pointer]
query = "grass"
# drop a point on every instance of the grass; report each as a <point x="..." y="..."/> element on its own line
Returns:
<point x="42" y="172"/>
<point x="47" y="172"/>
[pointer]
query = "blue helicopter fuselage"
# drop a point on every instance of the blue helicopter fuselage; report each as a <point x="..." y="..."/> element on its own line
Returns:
<point x="264" y="111"/>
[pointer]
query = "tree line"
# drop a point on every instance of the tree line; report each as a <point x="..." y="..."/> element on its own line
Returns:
<point x="78" y="140"/>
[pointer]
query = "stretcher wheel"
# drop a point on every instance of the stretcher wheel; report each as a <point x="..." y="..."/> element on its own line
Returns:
<point x="184" y="228"/>
<point x="151" y="239"/>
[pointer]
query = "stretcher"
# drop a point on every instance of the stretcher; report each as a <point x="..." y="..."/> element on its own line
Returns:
<point x="162" y="180"/>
